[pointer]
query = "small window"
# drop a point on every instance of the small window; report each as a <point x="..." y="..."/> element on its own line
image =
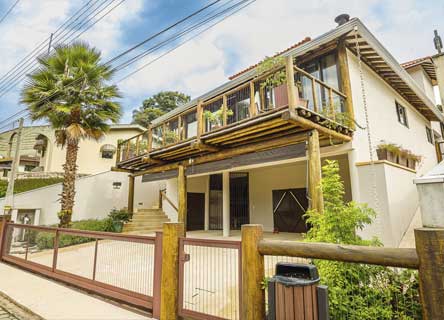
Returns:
<point x="402" y="115"/>
<point x="107" y="154"/>
<point x="429" y="135"/>
<point x="107" y="151"/>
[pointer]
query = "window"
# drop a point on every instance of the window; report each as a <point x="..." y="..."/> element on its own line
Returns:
<point x="107" y="151"/>
<point x="429" y="135"/>
<point x="402" y="115"/>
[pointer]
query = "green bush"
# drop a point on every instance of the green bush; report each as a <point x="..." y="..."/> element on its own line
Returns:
<point x="358" y="291"/>
<point x="45" y="240"/>
<point x="23" y="185"/>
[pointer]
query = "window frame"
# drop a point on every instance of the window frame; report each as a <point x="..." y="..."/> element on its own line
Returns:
<point x="429" y="135"/>
<point x="105" y="151"/>
<point x="405" y="120"/>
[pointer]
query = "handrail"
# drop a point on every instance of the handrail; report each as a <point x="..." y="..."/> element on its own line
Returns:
<point x="162" y="195"/>
<point x="390" y="257"/>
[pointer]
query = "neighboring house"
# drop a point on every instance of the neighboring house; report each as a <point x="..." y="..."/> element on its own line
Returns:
<point x="251" y="166"/>
<point x="40" y="152"/>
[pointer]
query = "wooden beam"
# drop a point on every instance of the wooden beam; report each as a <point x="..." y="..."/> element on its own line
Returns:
<point x="131" y="193"/>
<point x="170" y="270"/>
<point x="390" y="257"/>
<point x="345" y="84"/>
<point x="203" y="147"/>
<point x="429" y="246"/>
<point x="291" y="88"/>
<point x="253" y="110"/>
<point x="117" y="169"/>
<point x="182" y="196"/>
<point x="316" y="200"/>
<point x="149" y="160"/>
<point x="224" y="110"/>
<point x="199" y="119"/>
<point x="294" y="118"/>
<point x="253" y="297"/>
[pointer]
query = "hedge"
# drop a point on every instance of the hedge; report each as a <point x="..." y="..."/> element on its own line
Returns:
<point x="45" y="240"/>
<point x="23" y="185"/>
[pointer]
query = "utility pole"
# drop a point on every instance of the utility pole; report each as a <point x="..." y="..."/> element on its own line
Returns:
<point x="9" y="199"/>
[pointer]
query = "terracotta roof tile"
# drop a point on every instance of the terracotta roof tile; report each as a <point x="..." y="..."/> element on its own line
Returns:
<point x="307" y="39"/>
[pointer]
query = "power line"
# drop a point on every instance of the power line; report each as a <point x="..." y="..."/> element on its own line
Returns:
<point x="156" y="47"/>
<point x="9" y="11"/>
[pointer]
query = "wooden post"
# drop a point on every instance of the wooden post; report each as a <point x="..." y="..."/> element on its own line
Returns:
<point x="344" y="76"/>
<point x="157" y="283"/>
<point x="3" y="223"/>
<point x="131" y="193"/>
<point x="224" y="110"/>
<point x="179" y="128"/>
<point x="164" y="129"/>
<point x="253" y="110"/>
<point x="199" y="119"/>
<point x="137" y="145"/>
<point x="315" y="97"/>
<point x="118" y="153"/>
<point x="170" y="270"/>
<point x="226" y="204"/>
<point x="314" y="172"/>
<point x="429" y="247"/>
<point x="150" y="138"/>
<point x="332" y="105"/>
<point x="253" y="297"/>
<point x="291" y="88"/>
<point x="182" y="196"/>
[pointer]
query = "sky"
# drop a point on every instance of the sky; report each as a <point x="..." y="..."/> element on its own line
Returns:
<point x="405" y="28"/>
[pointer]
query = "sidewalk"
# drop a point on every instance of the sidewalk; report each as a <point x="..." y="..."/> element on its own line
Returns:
<point x="52" y="300"/>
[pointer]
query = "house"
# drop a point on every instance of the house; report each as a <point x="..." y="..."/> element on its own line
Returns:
<point x="260" y="162"/>
<point x="40" y="152"/>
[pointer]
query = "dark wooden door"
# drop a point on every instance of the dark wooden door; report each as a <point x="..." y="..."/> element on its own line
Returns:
<point x="195" y="211"/>
<point x="239" y="200"/>
<point x="289" y="206"/>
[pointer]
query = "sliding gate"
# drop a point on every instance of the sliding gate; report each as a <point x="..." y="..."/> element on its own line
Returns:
<point x="210" y="278"/>
<point x="115" y="265"/>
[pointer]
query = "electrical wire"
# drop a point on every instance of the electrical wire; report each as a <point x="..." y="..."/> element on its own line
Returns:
<point x="9" y="11"/>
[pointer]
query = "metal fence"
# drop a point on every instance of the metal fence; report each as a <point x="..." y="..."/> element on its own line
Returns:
<point x="210" y="279"/>
<point x="114" y="265"/>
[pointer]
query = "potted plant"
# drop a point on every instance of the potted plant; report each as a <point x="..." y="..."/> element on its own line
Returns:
<point x="413" y="160"/>
<point x="118" y="218"/>
<point x="388" y="151"/>
<point x="171" y="136"/>
<point x="216" y="118"/>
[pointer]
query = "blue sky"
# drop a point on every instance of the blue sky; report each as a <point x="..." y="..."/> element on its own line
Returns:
<point x="404" y="27"/>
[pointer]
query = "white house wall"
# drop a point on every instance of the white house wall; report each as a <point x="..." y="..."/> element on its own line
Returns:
<point x="95" y="197"/>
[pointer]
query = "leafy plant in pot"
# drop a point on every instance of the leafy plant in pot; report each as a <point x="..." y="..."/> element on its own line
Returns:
<point x="388" y="151"/>
<point x="118" y="218"/>
<point x="413" y="160"/>
<point x="216" y="118"/>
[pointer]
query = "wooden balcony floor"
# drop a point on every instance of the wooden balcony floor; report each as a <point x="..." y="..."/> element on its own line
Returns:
<point x="266" y="127"/>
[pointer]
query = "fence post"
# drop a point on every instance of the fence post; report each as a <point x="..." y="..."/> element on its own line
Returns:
<point x="3" y="223"/>
<point x="253" y="297"/>
<point x="157" y="275"/>
<point x="429" y="246"/>
<point x="170" y="270"/>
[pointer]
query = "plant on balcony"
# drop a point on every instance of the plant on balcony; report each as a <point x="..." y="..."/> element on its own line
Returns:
<point x="388" y="151"/>
<point x="413" y="160"/>
<point x="276" y="78"/>
<point x="216" y="118"/>
<point x="171" y="136"/>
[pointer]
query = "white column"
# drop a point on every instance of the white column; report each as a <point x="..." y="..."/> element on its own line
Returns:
<point x="226" y="203"/>
<point x="354" y="178"/>
<point x="207" y="203"/>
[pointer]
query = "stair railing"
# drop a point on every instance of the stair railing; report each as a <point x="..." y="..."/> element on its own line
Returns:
<point x="163" y="196"/>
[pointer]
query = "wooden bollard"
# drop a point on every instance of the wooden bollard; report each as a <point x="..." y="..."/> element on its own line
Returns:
<point x="170" y="270"/>
<point x="253" y="296"/>
<point x="429" y="246"/>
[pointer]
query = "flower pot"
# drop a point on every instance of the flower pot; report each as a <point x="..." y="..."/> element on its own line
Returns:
<point x="411" y="163"/>
<point x="384" y="154"/>
<point x="402" y="160"/>
<point x="117" y="226"/>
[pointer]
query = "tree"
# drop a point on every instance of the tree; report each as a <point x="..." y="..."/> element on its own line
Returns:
<point x="158" y="105"/>
<point x="358" y="291"/>
<point x="69" y="90"/>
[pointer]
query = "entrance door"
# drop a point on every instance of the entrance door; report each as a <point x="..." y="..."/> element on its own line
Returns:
<point x="195" y="211"/>
<point x="239" y="200"/>
<point x="289" y="206"/>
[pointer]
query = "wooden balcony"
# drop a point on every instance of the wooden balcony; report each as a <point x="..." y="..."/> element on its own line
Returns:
<point x="247" y="118"/>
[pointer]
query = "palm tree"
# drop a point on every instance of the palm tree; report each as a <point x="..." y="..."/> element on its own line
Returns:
<point x="69" y="90"/>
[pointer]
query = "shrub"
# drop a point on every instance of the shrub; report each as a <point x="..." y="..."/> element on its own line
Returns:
<point x="358" y="291"/>
<point x="23" y="185"/>
<point x="45" y="240"/>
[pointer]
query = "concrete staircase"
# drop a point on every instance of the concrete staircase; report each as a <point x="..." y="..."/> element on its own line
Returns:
<point x="146" y="221"/>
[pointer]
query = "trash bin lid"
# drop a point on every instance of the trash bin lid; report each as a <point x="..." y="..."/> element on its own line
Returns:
<point x="293" y="282"/>
<point x="297" y="270"/>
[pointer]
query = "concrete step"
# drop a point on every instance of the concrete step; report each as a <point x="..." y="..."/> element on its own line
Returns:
<point x="146" y="221"/>
<point x="149" y="218"/>
<point x="144" y="211"/>
<point x="143" y="229"/>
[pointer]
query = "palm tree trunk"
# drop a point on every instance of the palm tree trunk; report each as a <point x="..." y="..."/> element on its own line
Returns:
<point x="69" y="179"/>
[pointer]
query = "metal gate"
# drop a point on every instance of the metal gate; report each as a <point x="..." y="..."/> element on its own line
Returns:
<point x="115" y="265"/>
<point x="210" y="279"/>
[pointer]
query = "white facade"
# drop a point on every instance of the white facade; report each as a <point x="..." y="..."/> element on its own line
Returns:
<point x="95" y="198"/>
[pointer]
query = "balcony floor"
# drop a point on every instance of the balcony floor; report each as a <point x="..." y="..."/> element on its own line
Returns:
<point x="272" y="125"/>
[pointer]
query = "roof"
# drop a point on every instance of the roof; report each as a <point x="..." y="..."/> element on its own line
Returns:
<point x="374" y="54"/>
<point x="426" y="63"/>
<point x="306" y="39"/>
<point x="123" y="126"/>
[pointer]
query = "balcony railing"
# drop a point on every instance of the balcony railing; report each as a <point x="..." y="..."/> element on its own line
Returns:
<point x="235" y="106"/>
